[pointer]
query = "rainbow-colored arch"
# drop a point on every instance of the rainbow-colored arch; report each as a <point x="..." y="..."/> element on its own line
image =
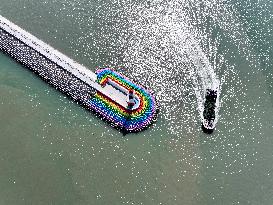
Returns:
<point x="130" y="120"/>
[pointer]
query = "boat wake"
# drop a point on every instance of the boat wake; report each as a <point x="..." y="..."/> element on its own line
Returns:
<point x="205" y="78"/>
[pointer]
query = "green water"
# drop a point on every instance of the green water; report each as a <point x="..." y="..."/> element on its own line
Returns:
<point x="54" y="152"/>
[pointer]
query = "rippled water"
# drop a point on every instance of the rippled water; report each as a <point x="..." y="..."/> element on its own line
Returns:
<point x="55" y="152"/>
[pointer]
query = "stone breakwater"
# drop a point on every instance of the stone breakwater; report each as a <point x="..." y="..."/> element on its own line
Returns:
<point x="45" y="68"/>
<point x="106" y="93"/>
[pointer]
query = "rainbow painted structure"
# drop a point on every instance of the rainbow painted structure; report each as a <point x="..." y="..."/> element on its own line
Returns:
<point x="130" y="119"/>
<point x="115" y="98"/>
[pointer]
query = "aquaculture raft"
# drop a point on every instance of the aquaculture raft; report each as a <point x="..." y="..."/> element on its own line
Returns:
<point x="119" y="101"/>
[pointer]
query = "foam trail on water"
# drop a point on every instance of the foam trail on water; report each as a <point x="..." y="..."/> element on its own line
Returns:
<point x="204" y="78"/>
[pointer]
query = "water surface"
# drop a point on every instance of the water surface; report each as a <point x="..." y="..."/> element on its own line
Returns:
<point x="54" y="152"/>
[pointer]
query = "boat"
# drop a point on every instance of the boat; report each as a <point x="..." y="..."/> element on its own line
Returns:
<point x="210" y="109"/>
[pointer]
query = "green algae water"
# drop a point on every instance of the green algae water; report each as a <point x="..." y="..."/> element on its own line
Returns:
<point x="52" y="151"/>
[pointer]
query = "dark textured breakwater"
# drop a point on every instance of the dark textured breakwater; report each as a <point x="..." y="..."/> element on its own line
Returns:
<point x="49" y="71"/>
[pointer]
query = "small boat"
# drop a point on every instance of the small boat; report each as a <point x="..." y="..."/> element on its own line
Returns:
<point x="210" y="109"/>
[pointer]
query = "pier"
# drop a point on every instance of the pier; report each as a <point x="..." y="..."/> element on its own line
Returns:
<point x="105" y="92"/>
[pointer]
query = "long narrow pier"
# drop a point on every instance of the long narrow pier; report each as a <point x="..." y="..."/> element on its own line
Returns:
<point x="62" y="60"/>
<point x="105" y="92"/>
